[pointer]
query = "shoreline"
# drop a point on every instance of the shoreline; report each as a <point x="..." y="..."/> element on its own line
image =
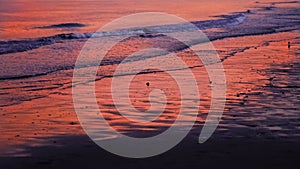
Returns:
<point x="260" y="127"/>
<point x="240" y="138"/>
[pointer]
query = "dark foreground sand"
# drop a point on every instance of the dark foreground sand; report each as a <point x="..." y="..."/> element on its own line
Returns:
<point x="79" y="152"/>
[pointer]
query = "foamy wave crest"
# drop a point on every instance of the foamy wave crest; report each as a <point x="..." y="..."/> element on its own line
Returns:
<point x="14" y="46"/>
<point x="228" y="20"/>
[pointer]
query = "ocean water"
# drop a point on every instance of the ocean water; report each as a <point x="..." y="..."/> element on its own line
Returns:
<point x="41" y="40"/>
<point x="26" y="19"/>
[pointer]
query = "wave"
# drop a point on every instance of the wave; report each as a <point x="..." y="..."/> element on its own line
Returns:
<point x="63" y="25"/>
<point x="15" y="46"/>
<point x="223" y="21"/>
<point x="229" y="20"/>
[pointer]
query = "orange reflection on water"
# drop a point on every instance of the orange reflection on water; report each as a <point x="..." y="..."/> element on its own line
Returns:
<point x="22" y="18"/>
<point x="139" y="90"/>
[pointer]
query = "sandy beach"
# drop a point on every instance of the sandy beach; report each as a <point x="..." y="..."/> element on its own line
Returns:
<point x="260" y="126"/>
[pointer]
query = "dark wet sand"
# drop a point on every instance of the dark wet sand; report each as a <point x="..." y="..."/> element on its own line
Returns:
<point x="80" y="152"/>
